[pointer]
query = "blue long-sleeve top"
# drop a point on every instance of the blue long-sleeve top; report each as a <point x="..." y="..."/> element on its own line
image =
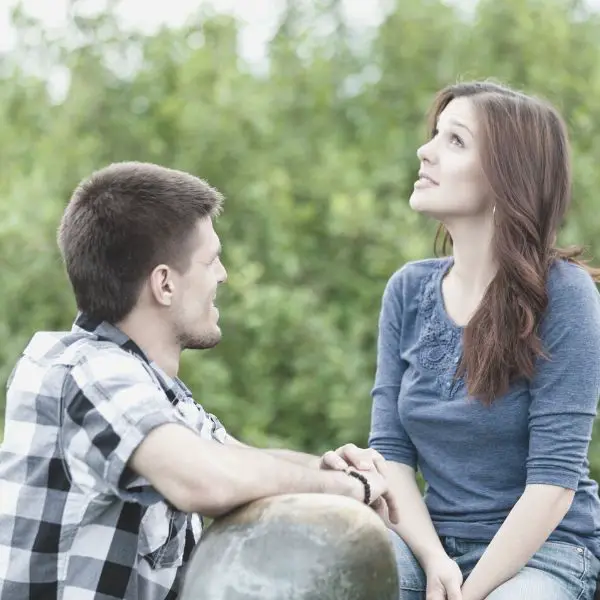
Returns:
<point x="476" y="460"/>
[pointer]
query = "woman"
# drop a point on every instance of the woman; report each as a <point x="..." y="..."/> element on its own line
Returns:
<point x="488" y="369"/>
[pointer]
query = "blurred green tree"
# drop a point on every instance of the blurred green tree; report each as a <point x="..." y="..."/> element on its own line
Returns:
<point x="316" y="155"/>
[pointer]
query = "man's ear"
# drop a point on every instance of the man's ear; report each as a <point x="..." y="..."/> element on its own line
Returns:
<point x="162" y="285"/>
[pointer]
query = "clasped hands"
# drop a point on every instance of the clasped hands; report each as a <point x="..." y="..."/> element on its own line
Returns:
<point x="444" y="578"/>
<point x="374" y="467"/>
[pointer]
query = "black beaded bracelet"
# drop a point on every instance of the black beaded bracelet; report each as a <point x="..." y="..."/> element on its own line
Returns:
<point x="365" y="482"/>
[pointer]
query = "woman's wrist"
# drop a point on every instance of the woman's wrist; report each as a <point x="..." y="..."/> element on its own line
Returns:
<point x="429" y="556"/>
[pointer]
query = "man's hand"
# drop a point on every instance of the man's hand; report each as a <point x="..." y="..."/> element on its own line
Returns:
<point x="444" y="579"/>
<point x="374" y="467"/>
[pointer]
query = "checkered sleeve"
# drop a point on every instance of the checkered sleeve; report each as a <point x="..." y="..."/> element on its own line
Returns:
<point x="218" y="431"/>
<point x="110" y="404"/>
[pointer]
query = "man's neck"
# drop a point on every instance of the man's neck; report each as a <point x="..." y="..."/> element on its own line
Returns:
<point x="151" y="335"/>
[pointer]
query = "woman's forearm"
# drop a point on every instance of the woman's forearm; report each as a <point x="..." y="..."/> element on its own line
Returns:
<point x="533" y="518"/>
<point x="414" y="525"/>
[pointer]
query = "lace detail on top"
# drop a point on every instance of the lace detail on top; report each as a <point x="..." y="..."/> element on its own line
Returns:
<point x="439" y="340"/>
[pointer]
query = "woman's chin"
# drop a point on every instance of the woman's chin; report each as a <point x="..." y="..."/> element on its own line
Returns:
<point x="422" y="205"/>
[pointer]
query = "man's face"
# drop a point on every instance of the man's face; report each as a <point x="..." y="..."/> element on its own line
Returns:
<point x="195" y="314"/>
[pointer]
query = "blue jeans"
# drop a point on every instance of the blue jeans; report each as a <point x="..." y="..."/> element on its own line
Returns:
<point x="558" y="571"/>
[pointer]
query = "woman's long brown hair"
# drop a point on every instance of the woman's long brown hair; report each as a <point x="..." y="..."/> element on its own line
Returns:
<point x="526" y="159"/>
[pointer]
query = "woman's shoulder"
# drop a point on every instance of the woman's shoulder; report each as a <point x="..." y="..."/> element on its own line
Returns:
<point x="566" y="278"/>
<point x="413" y="273"/>
<point x="573" y="298"/>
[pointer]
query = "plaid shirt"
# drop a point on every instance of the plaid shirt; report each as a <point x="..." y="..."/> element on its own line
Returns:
<point x="75" y="522"/>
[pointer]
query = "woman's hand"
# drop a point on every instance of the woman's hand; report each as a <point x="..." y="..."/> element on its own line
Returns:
<point x="367" y="460"/>
<point x="444" y="579"/>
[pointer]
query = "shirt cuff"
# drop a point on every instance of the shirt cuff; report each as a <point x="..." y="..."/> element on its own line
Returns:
<point x="405" y="457"/>
<point x="552" y="476"/>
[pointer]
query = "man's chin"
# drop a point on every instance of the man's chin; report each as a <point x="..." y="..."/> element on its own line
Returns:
<point x="202" y="342"/>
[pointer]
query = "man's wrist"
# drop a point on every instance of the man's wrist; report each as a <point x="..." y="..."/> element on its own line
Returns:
<point x="316" y="462"/>
<point x="365" y="483"/>
<point x="338" y="482"/>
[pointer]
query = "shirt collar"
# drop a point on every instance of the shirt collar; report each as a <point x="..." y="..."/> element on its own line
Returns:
<point x="106" y="331"/>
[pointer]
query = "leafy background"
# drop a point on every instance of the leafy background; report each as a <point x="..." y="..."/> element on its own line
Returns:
<point x="315" y="153"/>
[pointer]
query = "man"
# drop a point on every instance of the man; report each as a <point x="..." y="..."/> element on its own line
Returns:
<point x="107" y="461"/>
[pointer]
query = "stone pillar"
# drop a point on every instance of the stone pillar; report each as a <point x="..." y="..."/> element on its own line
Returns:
<point x="294" y="547"/>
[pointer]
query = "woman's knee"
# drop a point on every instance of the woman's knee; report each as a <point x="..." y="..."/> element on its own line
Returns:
<point x="533" y="584"/>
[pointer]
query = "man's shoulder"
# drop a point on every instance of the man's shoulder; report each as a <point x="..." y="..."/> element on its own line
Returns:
<point x="50" y="356"/>
<point x="68" y="347"/>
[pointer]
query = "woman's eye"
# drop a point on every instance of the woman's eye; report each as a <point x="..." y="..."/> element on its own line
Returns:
<point x="455" y="139"/>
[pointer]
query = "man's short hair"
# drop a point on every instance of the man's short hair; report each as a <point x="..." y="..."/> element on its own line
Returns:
<point x="120" y="223"/>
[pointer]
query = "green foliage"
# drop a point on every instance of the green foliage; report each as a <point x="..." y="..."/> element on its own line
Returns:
<point x="316" y="156"/>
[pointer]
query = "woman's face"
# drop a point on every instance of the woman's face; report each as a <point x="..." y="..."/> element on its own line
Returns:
<point x="451" y="181"/>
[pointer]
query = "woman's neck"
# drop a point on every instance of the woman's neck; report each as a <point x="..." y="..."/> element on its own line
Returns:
<point x="472" y="271"/>
<point x="474" y="263"/>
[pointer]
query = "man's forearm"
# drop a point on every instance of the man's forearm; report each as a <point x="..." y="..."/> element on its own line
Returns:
<point x="281" y="475"/>
<point x="414" y="524"/>
<point x="299" y="458"/>
<point x="533" y="518"/>
<point x="209" y="478"/>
